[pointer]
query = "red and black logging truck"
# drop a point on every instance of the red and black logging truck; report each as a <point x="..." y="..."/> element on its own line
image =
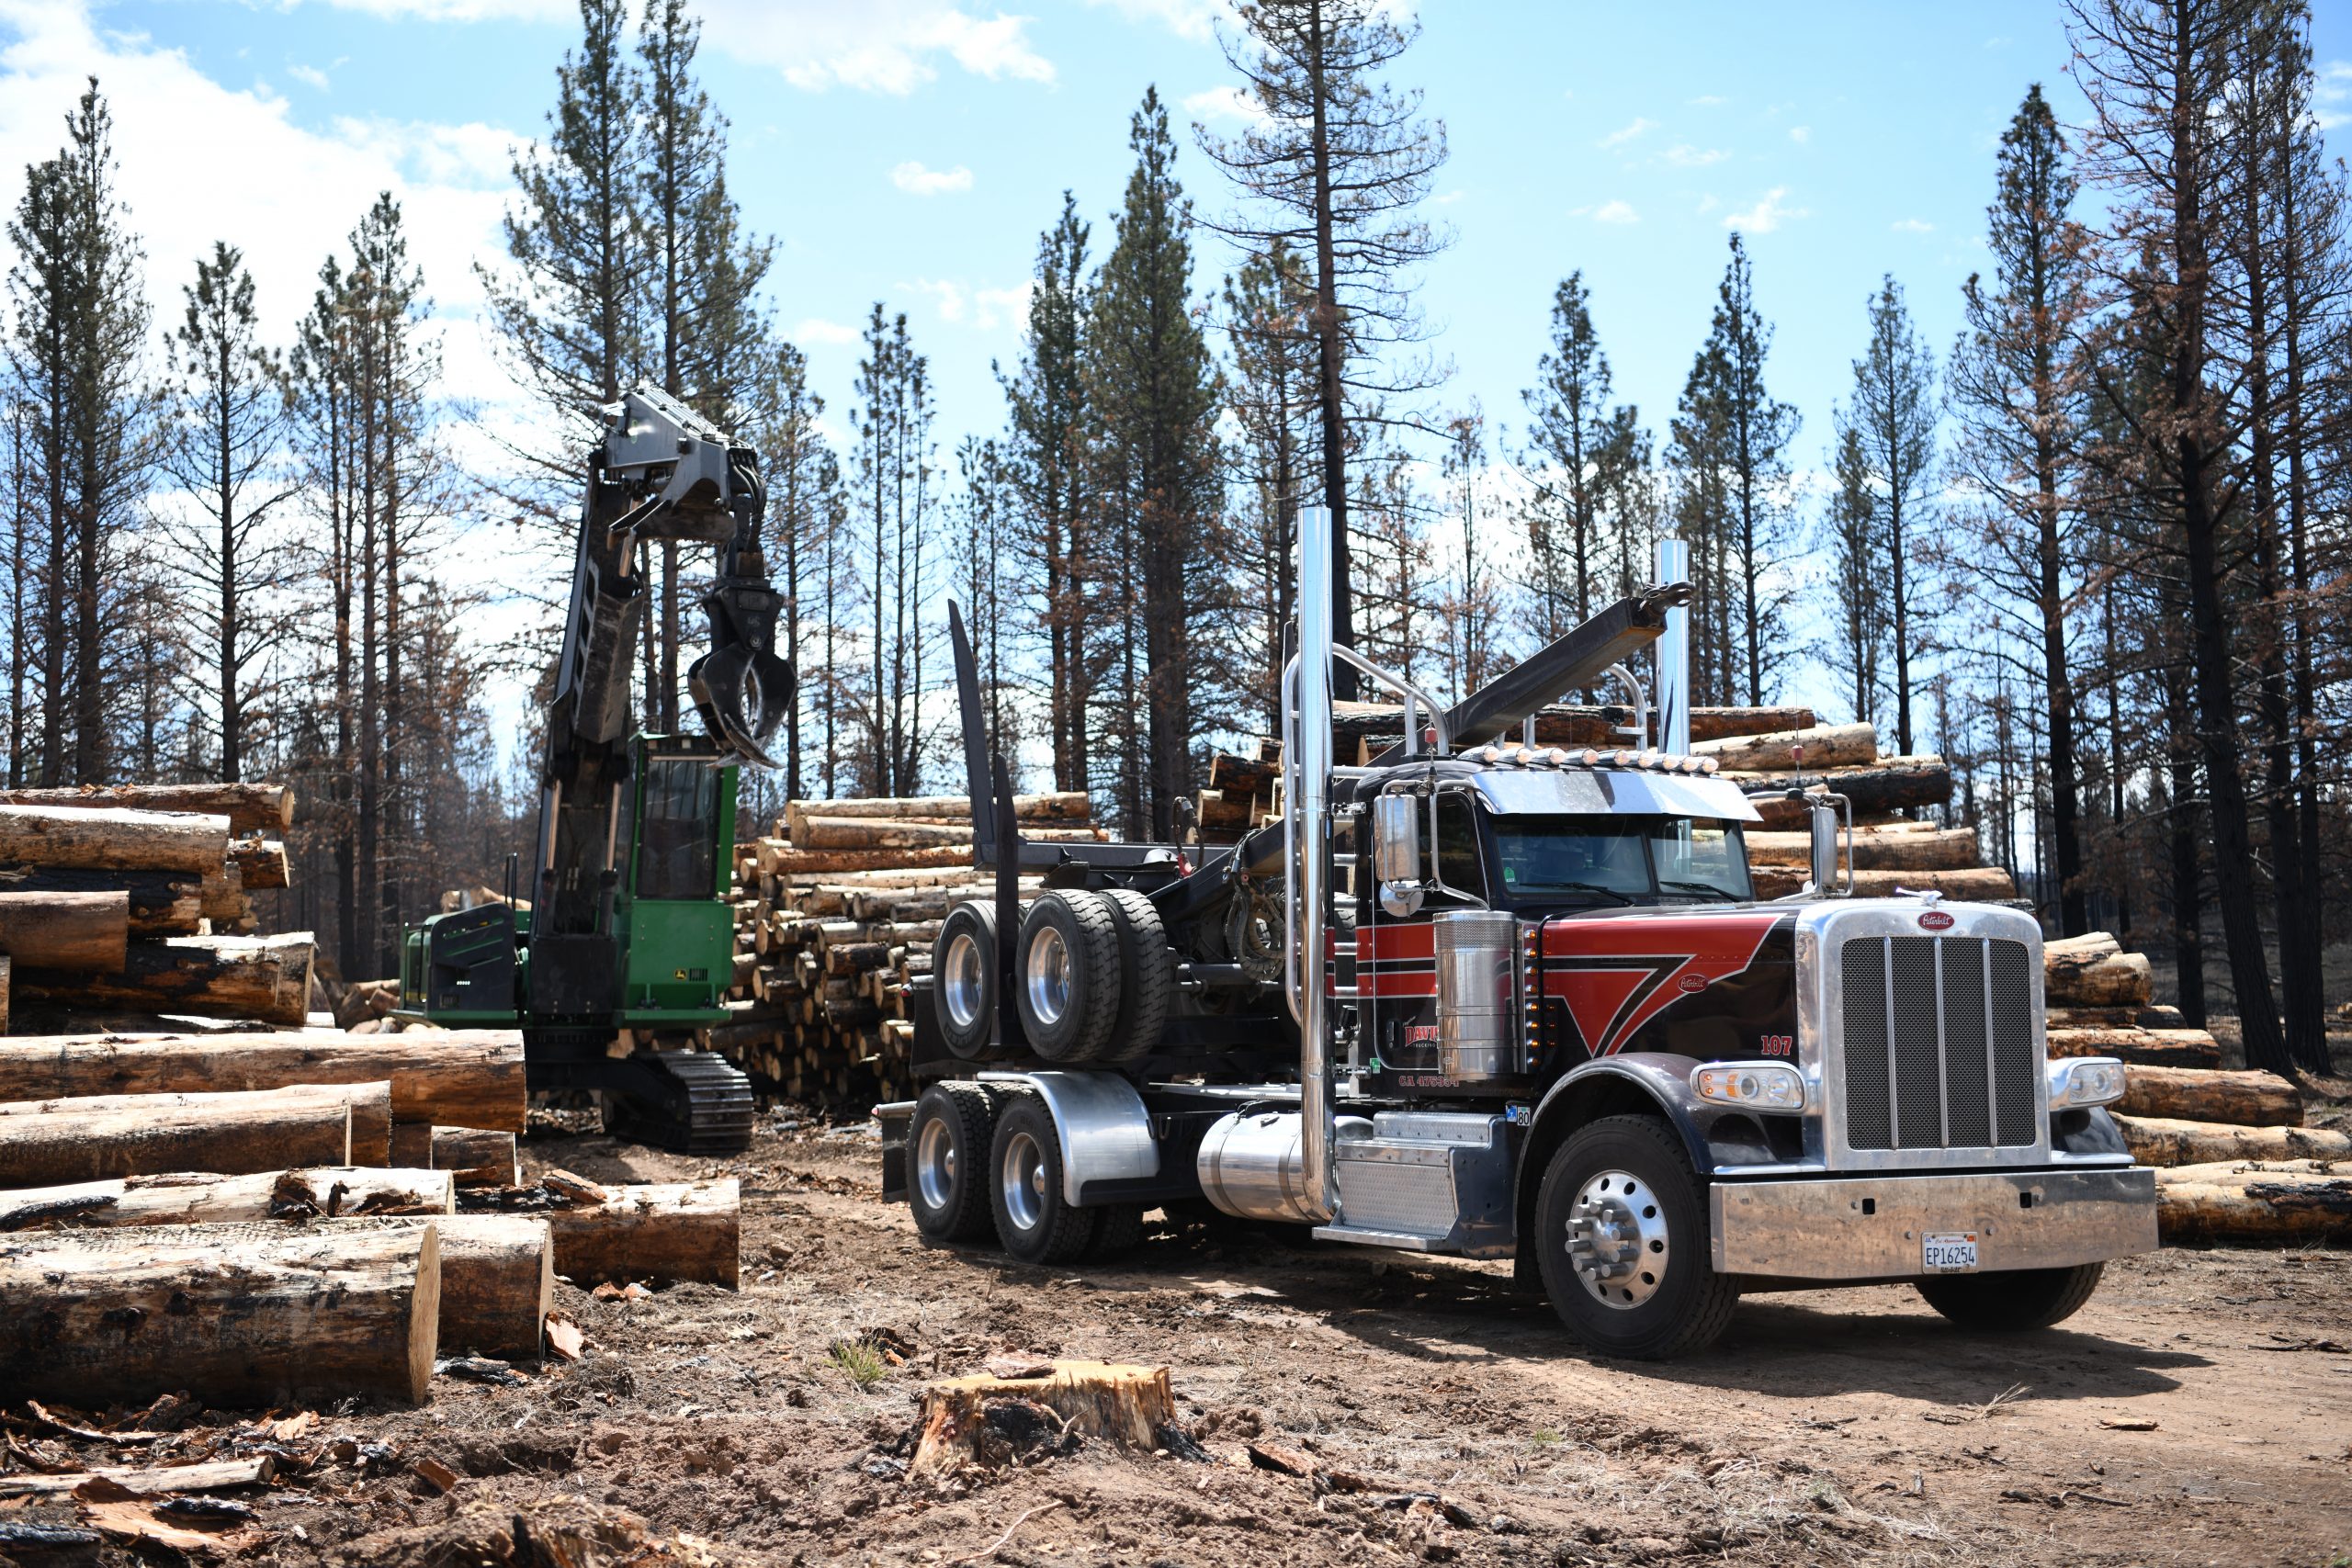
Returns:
<point x="1498" y="1000"/>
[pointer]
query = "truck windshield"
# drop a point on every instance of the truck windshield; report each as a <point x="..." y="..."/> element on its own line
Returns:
<point x="1622" y="859"/>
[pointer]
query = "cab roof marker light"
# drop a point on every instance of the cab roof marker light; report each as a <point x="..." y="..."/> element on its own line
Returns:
<point x="1589" y="758"/>
<point x="1557" y="757"/>
<point x="1708" y="764"/>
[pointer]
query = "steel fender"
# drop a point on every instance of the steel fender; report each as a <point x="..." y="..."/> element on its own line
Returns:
<point x="2097" y="1136"/>
<point x="1665" y="1079"/>
<point x="1105" y="1130"/>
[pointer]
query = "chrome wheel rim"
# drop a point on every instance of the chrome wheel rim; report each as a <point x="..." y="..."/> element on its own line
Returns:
<point x="1047" y="975"/>
<point x="936" y="1165"/>
<point x="1617" y="1239"/>
<point x="1022" y="1178"/>
<point x="962" y="981"/>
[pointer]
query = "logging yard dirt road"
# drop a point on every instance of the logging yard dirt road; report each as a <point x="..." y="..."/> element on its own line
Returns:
<point x="2198" y="1410"/>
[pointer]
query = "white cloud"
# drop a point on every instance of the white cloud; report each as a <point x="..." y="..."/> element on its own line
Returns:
<point x="1615" y="213"/>
<point x="1223" y="104"/>
<point x="1194" y="19"/>
<point x="310" y="76"/>
<point x="1689" y="157"/>
<point x="1619" y="138"/>
<point x="958" y="304"/>
<point x="816" y="329"/>
<point x="1799" y="134"/>
<point x="1447" y="198"/>
<point x="1912" y="226"/>
<point x="916" y="180"/>
<point x="1709" y="100"/>
<point x="1707" y="204"/>
<point x="1767" y="215"/>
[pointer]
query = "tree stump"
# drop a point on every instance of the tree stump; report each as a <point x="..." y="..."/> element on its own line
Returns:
<point x="975" y="1419"/>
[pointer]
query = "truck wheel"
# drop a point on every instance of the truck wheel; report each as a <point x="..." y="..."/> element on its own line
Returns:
<point x="1118" y="1230"/>
<point x="1620" y="1240"/>
<point x="1032" y="1219"/>
<point x="1069" y="975"/>
<point x="947" y="1156"/>
<point x="1147" y="979"/>
<point x="2015" y="1300"/>
<point x="964" y="975"/>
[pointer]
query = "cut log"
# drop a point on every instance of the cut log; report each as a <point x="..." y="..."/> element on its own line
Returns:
<point x="1891" y="784"/>
<point x="2297" y="1203"/>
<point x="778" y="858"/>
<point x="1936" y="848"/>
<point x="2140" y="1047"/>
<point x="149" y="1479"/>
<point x="163" y="903"/>
<point x="853" y="833"/>
<point x="182" y="1199"/>
<point x="232" y="1135"/>
<point x="261" y="862"/>
<point x="66" y="931"/>
<point x="265" y="978"/>
<point x="2155" y="1140"/>
<point x="1064" y="805"/>
<point x="1981" y="883"/>
<point x="457" y="1078"/>
<point x="237" y="1315"/>
<point x="2094" y="970"/>
<point x="113" y="839"/>
<point x="2249" y="1099"/>
<point x="1790" y="750"/>
<point x="1129" y="1405"/>
<point x="497" y="1280"/>
<point x="663" y="1232"/>
<point x="250" y="807"/>
<point x="476" y="1158"/>
<point x="370" y="1104"/>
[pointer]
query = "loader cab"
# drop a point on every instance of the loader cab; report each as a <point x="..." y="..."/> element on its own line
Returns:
<point x="671" y="917"/>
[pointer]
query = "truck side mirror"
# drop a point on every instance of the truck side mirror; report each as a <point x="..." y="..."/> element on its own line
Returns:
<point x="1397" y="852"/>
<point x="1822" y="812"/>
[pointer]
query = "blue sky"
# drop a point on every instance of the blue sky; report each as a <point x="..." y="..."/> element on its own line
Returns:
<point x="909" y="150"/>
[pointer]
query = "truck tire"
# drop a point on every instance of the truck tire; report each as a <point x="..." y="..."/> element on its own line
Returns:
<point x="1068" y="972"/>
<point x="2013" y="1302"/>
<point x="1118" y="1230"/>
<point x="964" y="980"/>
<point x="1620" y="1195"/>
<point x="1034" y="1221"/>
<point x="947" y="1161"/>
<point x="1146" y="977"/>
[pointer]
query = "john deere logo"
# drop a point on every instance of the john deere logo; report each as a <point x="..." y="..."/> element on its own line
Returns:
<point x="680" y="974"/>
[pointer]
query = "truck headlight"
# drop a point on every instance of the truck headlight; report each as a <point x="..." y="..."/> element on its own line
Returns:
<point x="1751" y="1085"/>
<point x="2079" y="1082"/>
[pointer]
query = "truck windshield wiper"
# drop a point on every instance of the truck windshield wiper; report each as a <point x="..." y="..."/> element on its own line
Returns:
<point x="1585" y="887"/>
<point x="1724" y="893"/>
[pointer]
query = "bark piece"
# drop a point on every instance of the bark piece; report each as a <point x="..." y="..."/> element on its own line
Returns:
<point x="65" y="930"/>
<point x="1792" y="750"/>
<point x="2299" y="1203"/>
<point x="2160" y="1140"/>
<point x="452" y="1079"/>
<point x="1123" y="1404"/>
<point x="111" y="837"/>
<point x="370" y="1106"/>
<point x="475" y="1158"/>
<point x="151" y="1480"/>
<point x="2249" y="1099"/>
<point x="665" y="1231"/>
<point x="253" y="1313"/>
<point x="230" y="1134"/>
<point x="250" y="807"/>
<point x="266" y="979"/>
<point x="184" y="1199"/>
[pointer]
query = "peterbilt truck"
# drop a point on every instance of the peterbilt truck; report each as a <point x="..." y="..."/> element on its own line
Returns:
<point x="1489" y="998"/>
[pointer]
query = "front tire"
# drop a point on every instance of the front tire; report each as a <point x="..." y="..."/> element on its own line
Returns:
<point x="947" y="1161"/>
<point x="1034" y="1220"/>
<point x="1621" y="1243"/>
<point x="2015" y="1302"/>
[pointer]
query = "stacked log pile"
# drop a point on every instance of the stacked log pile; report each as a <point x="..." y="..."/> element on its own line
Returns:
<point x="136" y="901"/>
<point x="835" y="916"/>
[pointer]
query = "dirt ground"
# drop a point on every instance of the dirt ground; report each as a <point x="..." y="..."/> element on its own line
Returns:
<point x="2198" y="1410"/>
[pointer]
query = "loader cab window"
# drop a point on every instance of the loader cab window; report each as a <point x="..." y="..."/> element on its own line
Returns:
<point x="677" y="856"/>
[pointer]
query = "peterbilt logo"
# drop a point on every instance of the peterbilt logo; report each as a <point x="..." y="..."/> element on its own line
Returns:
<point x="1935" y="920"/>
<point x="1692" y="983"/>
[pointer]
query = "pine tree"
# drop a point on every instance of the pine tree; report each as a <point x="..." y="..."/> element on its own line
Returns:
<point x="1895" y="412"/>
<point x="1858" y="548"/>
<point x="1472" y="607"/>
<point x="1150" y="376"/>
<point x="226" y="454"/>
<point x="800" y="469"/>
<point x="1268" y="313"/>
<point x="1340" y="160"/>
<point x="1574" y="443"/>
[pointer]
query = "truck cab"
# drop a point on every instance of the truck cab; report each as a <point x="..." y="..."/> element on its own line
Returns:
<point x="1501" y="1000"/>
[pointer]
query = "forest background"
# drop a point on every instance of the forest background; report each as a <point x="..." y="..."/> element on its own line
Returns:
<point x="1993" y="365"/>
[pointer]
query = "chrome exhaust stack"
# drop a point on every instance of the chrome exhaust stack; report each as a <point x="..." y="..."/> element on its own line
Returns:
<point x="1672" y="687"/>
<point x="1306" y="831"/>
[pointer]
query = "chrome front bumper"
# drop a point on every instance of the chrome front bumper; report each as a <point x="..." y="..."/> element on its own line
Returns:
<point x="1870" y="1227"/>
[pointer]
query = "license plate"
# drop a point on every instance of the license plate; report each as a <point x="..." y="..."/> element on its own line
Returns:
<point x="1947" y="1252"/>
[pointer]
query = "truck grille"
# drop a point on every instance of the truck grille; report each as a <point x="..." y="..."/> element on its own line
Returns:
<point x="1939" y="1051"/>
